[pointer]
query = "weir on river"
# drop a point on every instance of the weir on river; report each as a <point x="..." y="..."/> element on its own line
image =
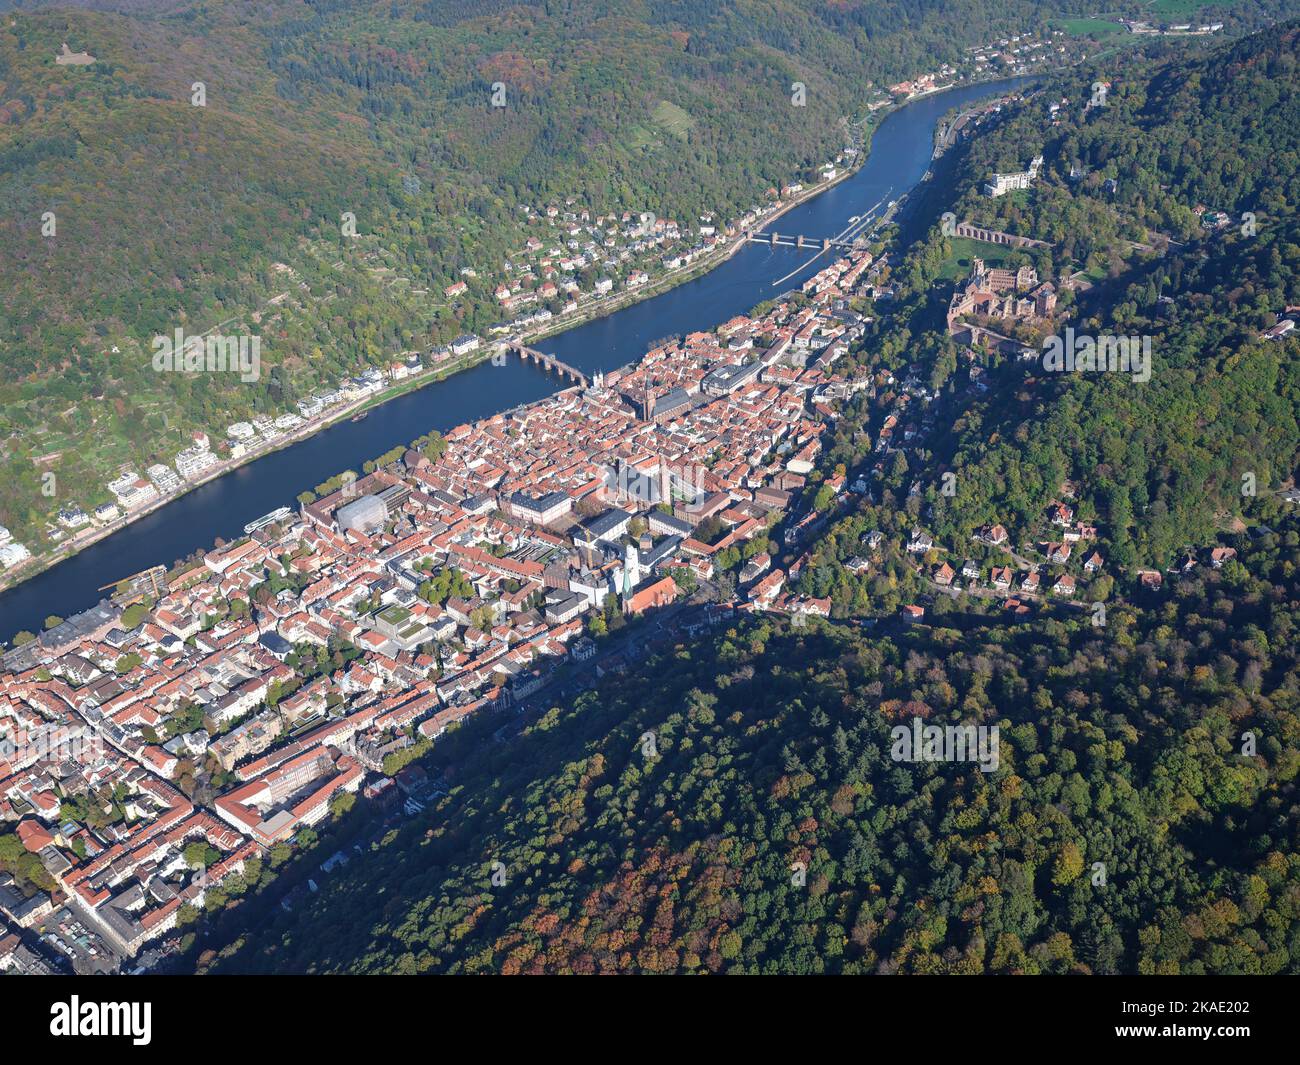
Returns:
<point x="900" y="155"/>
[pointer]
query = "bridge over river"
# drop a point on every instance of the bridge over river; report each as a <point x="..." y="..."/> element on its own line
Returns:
<point x="550" y="363"/>
<point x="785" y="240"/>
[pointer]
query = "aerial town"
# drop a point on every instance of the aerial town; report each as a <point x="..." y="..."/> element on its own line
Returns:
<point x="574" y="264"/>
<point x="205" y="718"/>
<point x="155" y="745"/>
<point x="905" y="622"/>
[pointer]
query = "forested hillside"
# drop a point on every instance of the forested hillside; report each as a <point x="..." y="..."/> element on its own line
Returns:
<point x="1165" y="462"/>
<point x="192" y="171"/>
<point x="1123" y="200"/>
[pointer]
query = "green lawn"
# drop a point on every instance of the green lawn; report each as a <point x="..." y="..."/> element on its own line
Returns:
<point x="965" y="251"/>
<point x="672" y="119"/>
<point x="1174" y="8"/>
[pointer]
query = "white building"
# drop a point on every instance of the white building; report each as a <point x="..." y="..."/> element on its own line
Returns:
<point x="164" y="478"/>
<point x="1004" y="183"/>
<point x="73" y="517"/>
<point x="193" y="461"/>
<point x="12" y="553"/>
<point x="132" y="490"/>
<point x="463" y="345"/>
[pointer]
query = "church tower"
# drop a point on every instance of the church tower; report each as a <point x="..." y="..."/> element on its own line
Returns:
<point x="631" y="569"/>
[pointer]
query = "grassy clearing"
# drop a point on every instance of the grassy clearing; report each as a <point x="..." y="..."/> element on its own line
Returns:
<point x="1175" y="8"/>
<point x="965" y="251"/>
<point x="665" y="119"/>
<point x="672" y="119"/>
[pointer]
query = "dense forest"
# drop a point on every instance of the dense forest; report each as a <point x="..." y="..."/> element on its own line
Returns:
<point x="738" y="802"/>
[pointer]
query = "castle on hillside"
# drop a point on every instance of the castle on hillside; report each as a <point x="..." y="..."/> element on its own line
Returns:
<point x="1007" y="294"/>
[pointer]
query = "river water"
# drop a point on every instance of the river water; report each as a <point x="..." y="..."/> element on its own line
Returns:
<point x="899" y="157"/>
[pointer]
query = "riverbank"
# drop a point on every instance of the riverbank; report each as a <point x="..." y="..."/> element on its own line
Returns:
<point x="79" y="542"/>
<point x="710" y="261"/>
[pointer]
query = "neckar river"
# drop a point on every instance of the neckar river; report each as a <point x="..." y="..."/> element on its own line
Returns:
<point x="900" y="154"/>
